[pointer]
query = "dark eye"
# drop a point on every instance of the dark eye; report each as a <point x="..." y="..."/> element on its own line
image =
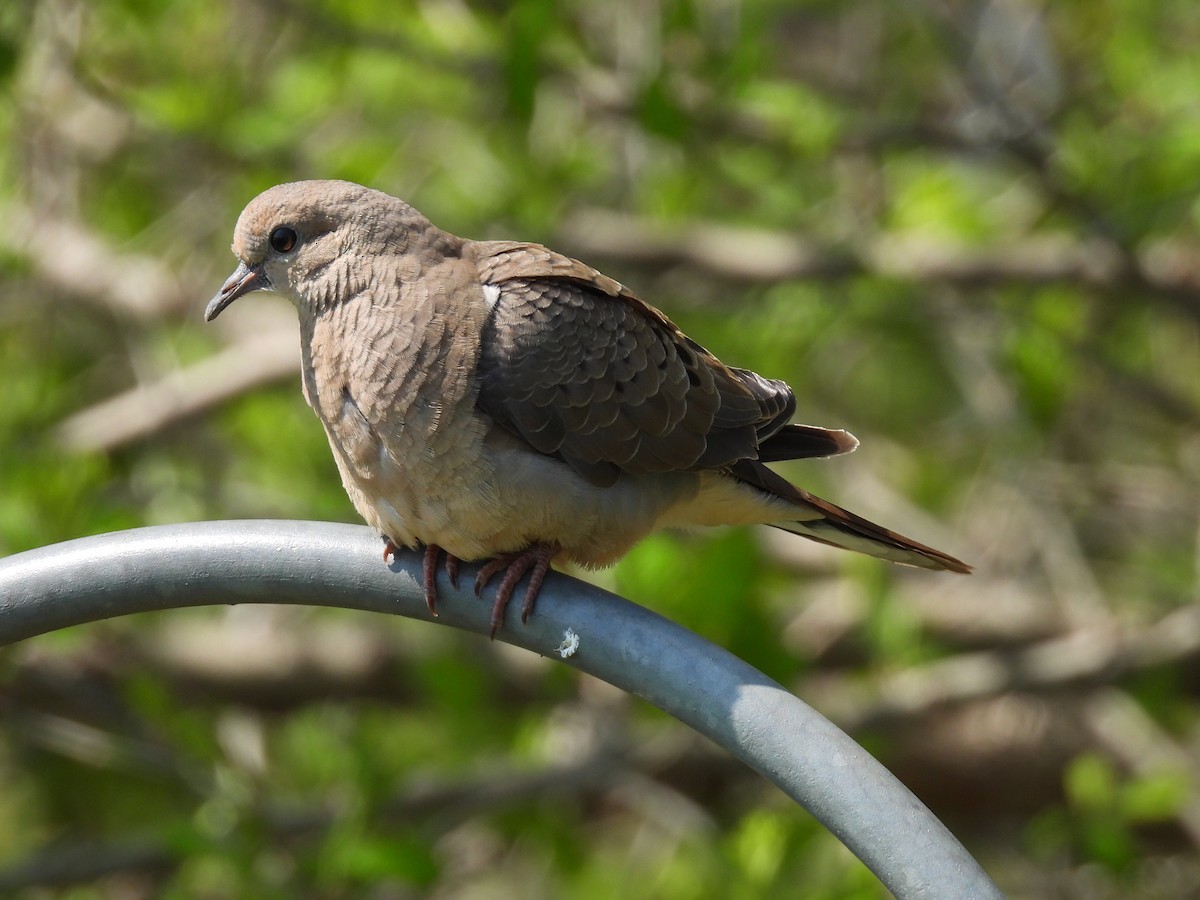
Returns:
<point x="283" y="239"/>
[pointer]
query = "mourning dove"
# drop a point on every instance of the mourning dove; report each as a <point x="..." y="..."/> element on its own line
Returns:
<point x="495" y="400"/>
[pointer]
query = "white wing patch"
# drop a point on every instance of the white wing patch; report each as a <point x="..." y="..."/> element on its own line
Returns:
<point x="491" y="295"/>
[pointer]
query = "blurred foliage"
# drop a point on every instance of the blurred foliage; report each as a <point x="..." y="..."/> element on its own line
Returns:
<point x="967" y="231"/>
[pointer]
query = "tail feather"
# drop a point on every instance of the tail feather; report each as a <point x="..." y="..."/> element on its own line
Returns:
<point x="841" y="528"/>
<point x="796" y="441"/>
<point x="874" y="540"/>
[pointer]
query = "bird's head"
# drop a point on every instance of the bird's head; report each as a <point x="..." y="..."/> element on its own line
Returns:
<point x="314" y="242"/>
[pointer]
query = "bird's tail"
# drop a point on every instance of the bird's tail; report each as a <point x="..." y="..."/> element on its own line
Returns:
<point x="830" y="524"/>
<point x="842" y="528"/>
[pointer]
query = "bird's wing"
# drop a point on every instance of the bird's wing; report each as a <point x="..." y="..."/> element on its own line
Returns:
<point x="582" y="369"/>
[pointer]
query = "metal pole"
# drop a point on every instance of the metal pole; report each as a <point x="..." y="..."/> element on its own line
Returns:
<point x="700" y="684"/>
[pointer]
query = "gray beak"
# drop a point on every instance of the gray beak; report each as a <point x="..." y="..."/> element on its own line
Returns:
<point x="244" y="280"/>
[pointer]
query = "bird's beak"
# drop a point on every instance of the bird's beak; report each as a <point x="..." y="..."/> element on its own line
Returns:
<point x="244" y="280"/>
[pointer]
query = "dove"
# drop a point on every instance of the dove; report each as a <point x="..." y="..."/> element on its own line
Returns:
<point x="498" y="402"/>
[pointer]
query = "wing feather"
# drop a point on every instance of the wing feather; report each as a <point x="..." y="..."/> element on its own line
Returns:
<point x="584" y="370"/>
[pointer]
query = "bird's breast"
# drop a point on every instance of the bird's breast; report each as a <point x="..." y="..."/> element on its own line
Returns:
<point x="395" y="395"/>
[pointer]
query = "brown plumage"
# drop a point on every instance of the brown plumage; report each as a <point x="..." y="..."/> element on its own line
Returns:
<point x="499" y="401"/>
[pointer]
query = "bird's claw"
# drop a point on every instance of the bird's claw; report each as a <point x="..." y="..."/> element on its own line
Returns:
<point x="428" y="570"/>
<point x="429" y="574"/>
<point x="535" y="558"/>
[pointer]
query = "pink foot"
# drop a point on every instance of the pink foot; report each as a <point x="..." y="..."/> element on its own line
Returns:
<point x="428" y="570"/>
<point x="514" y="565"/>
<point x="429" y="573"/>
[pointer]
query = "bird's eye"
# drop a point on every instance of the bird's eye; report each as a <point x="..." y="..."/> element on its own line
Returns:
<point x="283" y="239"/>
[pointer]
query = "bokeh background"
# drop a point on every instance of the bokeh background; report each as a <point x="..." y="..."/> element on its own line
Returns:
<point x="967" y="231"/>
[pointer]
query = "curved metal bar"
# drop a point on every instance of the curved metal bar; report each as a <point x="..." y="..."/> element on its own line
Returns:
<point x="700" y="684"/>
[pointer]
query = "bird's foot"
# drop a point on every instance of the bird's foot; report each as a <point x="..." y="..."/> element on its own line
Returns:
<point x="429" y="573"/>
<point x="428" y="570"/>
<point x="514" y="565"/>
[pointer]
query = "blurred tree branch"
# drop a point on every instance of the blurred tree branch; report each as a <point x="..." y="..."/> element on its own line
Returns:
<point x="756" y="256"/>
